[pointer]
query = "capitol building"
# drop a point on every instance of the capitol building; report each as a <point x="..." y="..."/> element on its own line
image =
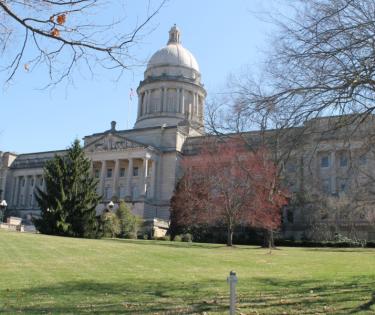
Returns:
<point x="141" y="165"/>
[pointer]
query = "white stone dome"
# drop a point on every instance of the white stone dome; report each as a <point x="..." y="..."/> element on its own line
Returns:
<point x="174" y="54"/>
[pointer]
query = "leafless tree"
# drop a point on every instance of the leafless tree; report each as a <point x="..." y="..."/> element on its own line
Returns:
<point x="321" y="63"/>
<point x="67" y="35"/>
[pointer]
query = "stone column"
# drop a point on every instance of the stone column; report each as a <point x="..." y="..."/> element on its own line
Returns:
<point x="196" y="105"/>
<point x="183" y="102"/>
<point x="144" y="107"/>
<point x="129" y="177"/>
<point x="164" y="102"/>
<point x="178" y="106"/>
<point x="102" y="177"/>
<point x="140" y="99"/>
<point x="15" y="190"/>
<point x="21" y="191"/>
<point x="27" y="191"/>
<point x="153" y="179"/>
<point x="115" y="178"/>
<point x="33" y="190"/>
<point x="143" y="180"/>
<point x="148" y="107"/>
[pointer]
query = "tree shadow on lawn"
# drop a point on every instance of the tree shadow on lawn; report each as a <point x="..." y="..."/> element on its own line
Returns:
<point x="167" y="243"/>
<point x="82" y="297"/>
<point x="266" y="295"/>
<point x="354" y="296"/>
<point x="341" y="250"/>
<point x="187" y="244"/>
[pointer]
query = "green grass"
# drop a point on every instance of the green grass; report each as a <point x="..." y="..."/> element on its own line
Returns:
<point x="54" y="275"/>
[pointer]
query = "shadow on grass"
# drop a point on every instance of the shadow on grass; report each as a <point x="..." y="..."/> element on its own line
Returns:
<point x="168" y="243"/>
<point x="354" y="296"/>
<point x="185" y="244"/>
<point x="341" y="250"/>
<point x="83" y="297"/>
<point x="263" y="295"/>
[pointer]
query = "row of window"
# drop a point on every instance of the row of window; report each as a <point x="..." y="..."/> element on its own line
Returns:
<point x="325" y="162"/>
<point x="342" y="185"/>
<point x="40" y="181"/>
<point x="134" y="191"/>
<point x="343" y="161"/>
<point x="122" y="172"/>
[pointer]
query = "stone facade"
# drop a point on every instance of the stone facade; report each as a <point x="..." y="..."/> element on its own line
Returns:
<point x="141" y="165"/>
<point x="138" y="165"/>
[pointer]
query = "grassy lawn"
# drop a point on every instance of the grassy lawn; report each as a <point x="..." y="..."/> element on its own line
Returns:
<point x="54" y="275"/>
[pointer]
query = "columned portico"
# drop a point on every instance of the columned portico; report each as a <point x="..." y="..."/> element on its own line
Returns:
<point x="126" y="175"/>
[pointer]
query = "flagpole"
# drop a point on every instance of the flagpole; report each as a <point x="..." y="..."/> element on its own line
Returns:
<point x="127" y="116"/>
<point x="128" y="109"/>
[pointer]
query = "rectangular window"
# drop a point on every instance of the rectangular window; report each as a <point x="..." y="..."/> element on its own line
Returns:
<point x="122" y="172"/>
<point x="326" y="186"/>
<point x="291" y="167"/>
<point x="343" y="160"/>
<point x="135" y="171"/>
<point x="324" y="161"/>
<point x="135" y="193"/>
<point x="343" y="185"/>
<point x="32" y="182"/>
<point x="96" y="173"/>
<point x="23" y="182"/>
<point x="108" y="193"/>
<point x="363" y="159"/>
<point x="122" y="192"/>
<point x="109" y="172"/>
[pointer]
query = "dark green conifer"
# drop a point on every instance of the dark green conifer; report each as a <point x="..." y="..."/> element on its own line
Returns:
<point x="69" y="200"/>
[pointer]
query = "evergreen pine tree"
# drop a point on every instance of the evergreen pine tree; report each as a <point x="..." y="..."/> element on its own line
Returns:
<point x="69" y="200"/>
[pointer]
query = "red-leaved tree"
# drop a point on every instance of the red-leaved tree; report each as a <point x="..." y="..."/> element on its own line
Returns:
<point x="225" y="183"/>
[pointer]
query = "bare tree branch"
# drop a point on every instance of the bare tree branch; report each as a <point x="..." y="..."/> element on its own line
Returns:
<point x="63" y="34"/>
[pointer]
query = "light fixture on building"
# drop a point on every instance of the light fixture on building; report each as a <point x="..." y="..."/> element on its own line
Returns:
<point x="3" y="207"/>
<point x="110" y="205"/>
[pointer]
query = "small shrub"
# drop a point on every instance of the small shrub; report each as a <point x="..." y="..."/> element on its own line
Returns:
<point x="163" y="238"/>
<point x="110" y="225"/>
<point x="177" y="238"/>
<point x="145" y="236"/>
<point x="132" y="235"/>
<point x="129" y="223"/>
<point x="186" y="237"/>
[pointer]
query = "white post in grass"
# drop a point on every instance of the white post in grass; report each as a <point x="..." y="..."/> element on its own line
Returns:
<point x="232" y="280"/>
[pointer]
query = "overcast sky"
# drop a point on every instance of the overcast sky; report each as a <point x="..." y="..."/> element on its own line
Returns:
<point x="224" y="36"/>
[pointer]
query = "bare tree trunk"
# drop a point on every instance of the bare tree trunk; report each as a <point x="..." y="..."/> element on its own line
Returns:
<point x="268" y="239"/>
<point x="230" y="237"/>
<point x="271" y="243"/>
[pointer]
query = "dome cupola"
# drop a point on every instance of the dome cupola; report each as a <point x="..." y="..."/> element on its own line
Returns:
<point x="171" y="92"/>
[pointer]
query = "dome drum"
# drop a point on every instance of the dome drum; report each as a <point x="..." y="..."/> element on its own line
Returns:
<point x="174" y="101"/>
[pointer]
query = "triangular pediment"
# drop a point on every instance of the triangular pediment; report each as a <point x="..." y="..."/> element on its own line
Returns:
<point x="112" y="142"/>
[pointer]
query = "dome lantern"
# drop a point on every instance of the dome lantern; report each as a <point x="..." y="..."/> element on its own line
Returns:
<point x="174" y="35"/>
